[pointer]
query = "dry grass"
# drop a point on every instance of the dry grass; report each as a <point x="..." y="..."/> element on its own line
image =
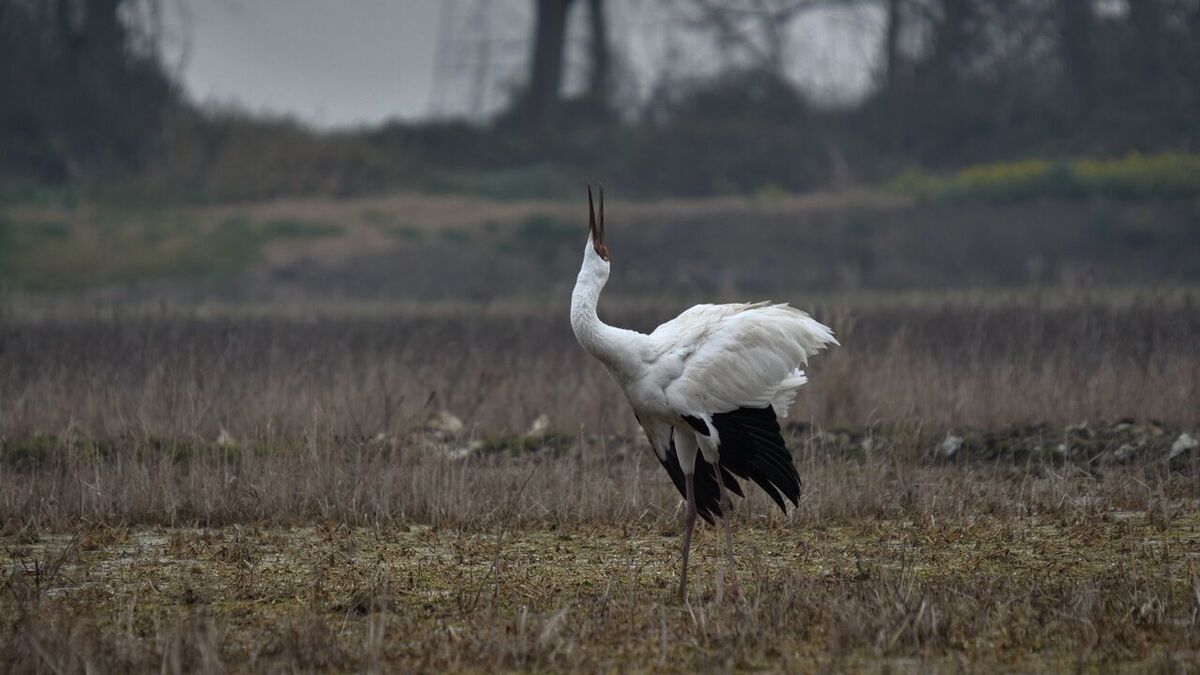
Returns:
<point x="175" y="419"/>
<point x="314" y="380"/>
<point x="53" y="484"/>
<point x="1026" y="593"/>
<point x="189" y="491"/>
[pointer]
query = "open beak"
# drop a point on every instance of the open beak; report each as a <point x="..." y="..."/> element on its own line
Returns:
<point x="596" y="228"/>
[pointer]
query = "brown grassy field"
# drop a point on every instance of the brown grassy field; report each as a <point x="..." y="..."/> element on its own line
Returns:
<point x="317" y="377"/>
<point x="231" y="488"/>
<point x="973" y="592"/>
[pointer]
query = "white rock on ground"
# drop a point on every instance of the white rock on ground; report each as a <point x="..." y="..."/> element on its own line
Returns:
<point x="445" y="422"/>
<point x="951" y="445"/>
<point x="1183" y="444"/>
<point x="539" y="427"/>
<point x="463" y="451"/>
<point x="1125" y="452"/>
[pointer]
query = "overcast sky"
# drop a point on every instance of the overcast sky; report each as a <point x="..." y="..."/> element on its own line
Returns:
<point x="338" y="63"/>
<point x="328" y="62"/>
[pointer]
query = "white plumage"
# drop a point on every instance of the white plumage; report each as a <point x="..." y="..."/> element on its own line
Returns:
<point x="713" y="382"/>
<point x="736" y="356"/>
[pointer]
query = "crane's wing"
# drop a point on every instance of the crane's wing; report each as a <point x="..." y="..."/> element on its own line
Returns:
<point x="730" y="371"/>
<point x="720" y="358"/>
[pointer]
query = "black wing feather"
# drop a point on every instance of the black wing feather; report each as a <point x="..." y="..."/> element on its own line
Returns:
<point x="752" y="447"/>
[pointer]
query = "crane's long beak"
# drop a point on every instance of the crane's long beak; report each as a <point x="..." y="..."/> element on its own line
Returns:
<point x="594" y="232"/>
<point x="596" y="227"/>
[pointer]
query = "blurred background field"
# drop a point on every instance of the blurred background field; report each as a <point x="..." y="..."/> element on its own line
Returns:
<point x="890" y="144"/>
<point x="179" y="150"/>
<point x="155" y="100"/>
<point x="436" y="247"/>
<point x="287" y="381"/>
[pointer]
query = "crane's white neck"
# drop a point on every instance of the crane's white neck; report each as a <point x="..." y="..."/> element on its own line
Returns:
<point x="614" y="347"/>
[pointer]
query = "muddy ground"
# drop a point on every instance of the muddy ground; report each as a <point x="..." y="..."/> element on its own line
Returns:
<point x="1024" y="593"/>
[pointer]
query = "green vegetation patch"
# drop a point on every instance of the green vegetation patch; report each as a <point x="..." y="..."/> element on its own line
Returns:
<point x="455" y="235"/>
<point x="115" y="248"/>
<point x="287" y="228"/>
<point x="41" y="450"/>
<point x="542" y="236"/>
<point x="1134" y="177"/>
<point x="30" y="453"/>
<point x="405" y="232"/>
<point x="538" y="181"/>
<point x="512" y="445"/>
<point x="58" y="249"/>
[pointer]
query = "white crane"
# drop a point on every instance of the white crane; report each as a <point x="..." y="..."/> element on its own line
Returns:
<point x="712" y="382"/>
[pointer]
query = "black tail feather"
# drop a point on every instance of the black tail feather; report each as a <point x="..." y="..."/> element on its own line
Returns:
<point x="731" y="483"/>
<point x="752" y="448"/>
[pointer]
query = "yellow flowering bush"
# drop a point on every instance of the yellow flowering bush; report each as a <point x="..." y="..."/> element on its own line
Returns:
<point x="1135" y="176"/>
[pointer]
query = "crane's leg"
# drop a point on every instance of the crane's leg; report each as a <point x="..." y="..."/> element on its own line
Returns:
<point x="689" y="523"/>
<point x="726" y="518"/>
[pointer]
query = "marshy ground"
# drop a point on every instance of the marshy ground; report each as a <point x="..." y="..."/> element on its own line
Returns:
<point x="1018" y="593"/>
<point x="1010" y="553"/>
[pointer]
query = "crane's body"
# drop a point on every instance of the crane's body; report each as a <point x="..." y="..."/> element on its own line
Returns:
<point x="708" y="388"/>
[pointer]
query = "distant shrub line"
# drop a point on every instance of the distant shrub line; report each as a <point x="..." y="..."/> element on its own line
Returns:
<point x="1167" y="176"/>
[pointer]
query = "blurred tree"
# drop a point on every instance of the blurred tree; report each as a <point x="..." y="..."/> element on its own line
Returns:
<point x="1075" y="30"/>
<point x="951" y="41"/>
<point x="1147" y="19"/>
<point x="540" y="105"/>
<point x="83" y="92"/>
<point x="1193" y="39"/>
<point x="754" y="34"/>
<point x="81" y="89"/>
<point x="600" y="64"/>
<point x="1148" y="59"/>
<point x="893" y="24"/>
<point x="539" y="101"/>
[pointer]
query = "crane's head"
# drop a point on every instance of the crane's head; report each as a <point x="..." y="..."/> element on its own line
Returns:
<point x="596" y="228"/>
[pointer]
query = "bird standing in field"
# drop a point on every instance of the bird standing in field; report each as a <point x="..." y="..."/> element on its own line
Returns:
<point x="708" y="388"/>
